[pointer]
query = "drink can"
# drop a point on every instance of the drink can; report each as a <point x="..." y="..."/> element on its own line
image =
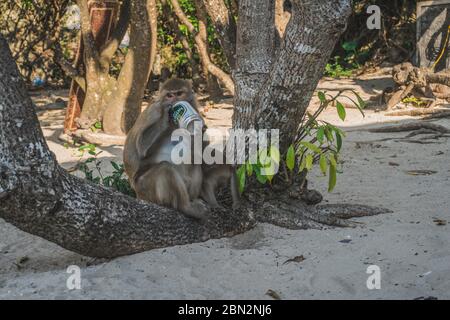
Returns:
<point x="183" y="114"/>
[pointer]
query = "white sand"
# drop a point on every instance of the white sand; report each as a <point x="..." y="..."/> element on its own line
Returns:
<point x="412" y="252"/>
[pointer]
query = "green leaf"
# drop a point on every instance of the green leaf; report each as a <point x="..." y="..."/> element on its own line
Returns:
<point x="302" y="165"/>
<point x="241" y="178"/>
<point x="115" y="166"/>
<point x="322" y="97"/>
<point x="249" y="168"/>
<point x="290" y="158"/>
<point x="323" y="164"/>
<point x="328" y="134"/>
<point x="332" y="178"/>
<point x="338" y="140"/>
<point x="361" y="102"/>
<point x="261" y="178"/>
<point x="98" y="125"/>
<point x="341" y="110"/>
<point x="350" y="45"/>
<point x="361" y="105"/>
<point x="311" y="146"/>
<point x="320" y="134"/>
<point x="275" y="154"/>
<point x="263" y="158"/>
<point x="332" y="160"/>
<point x="309" y="161"/>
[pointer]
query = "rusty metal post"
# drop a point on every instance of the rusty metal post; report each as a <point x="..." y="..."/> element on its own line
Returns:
<point x="103" y="16"/>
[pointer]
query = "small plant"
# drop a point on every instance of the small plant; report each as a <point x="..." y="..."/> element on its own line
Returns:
<point x="318" y="142"/>
<point x="97" y="126"/>
<point x="116" y="180"/>
<point x="336" y="69"/>
<point x="346" y="65"/>
<point x="416" y="102"/>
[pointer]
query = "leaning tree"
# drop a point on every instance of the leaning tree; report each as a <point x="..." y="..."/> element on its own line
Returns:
<point x="274" y="84"/>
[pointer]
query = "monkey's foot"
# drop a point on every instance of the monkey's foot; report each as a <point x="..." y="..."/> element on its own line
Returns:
<point x="197" y="210"/>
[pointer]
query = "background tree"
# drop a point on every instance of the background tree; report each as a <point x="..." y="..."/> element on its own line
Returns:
<point x="113" y="99"/>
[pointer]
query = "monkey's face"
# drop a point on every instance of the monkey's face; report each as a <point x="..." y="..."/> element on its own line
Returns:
<point x="173" y="96"/>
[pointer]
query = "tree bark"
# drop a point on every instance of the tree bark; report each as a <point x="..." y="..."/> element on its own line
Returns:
<point x="254" y="53"/>
<point x="124" y="105"/>
<point x="117" y="102"/>
<point x="225" y="26"/>
<point x="275" y="90"/>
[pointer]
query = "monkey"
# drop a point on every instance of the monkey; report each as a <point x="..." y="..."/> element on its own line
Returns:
<point x="147" y="159"/>
<point x="217" y="175"/>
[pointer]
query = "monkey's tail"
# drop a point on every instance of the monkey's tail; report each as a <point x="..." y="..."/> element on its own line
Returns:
<point x="235" y="189"/>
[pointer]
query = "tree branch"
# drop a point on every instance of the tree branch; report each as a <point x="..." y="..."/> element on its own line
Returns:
<point x="109" y="49"/>
<point x="126" y="102"/>
<point x="203" y="49"/>
<point x="68" y="68"/>
<point x="225" y="26"/>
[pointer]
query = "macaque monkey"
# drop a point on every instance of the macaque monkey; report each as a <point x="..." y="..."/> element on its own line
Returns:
<point x="148" y="164"/>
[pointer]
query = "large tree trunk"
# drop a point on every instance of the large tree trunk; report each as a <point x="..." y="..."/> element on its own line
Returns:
<point x="274" y="87"/>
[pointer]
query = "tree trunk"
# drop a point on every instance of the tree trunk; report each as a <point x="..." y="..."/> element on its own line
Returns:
<point x="98" y="82"/>
<point x="117" y="102"/>
<point x="225" y="27"/>
<point x="124" y="105"/>
<point x="274" y="88"/>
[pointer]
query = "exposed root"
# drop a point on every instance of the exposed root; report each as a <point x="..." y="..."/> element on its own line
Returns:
<point x="411" y="127"/>
<point x="428" y="112"/>
<point x="281" y="210"/>
<point x="100" y="138"/>
<point x="434" y="132"/>
<point x="347" y="211"/>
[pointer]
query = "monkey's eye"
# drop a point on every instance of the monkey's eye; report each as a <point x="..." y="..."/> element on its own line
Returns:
<point x="170" y="95"/>
<point x="180" y="93"/>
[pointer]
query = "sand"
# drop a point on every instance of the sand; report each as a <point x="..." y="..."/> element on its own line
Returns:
<point x="411" y="250"/>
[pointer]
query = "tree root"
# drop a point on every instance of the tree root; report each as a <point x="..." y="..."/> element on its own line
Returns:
<point x="434" y="131"/>
<point x="428" y="112"/>
<point x="411" y="127"/>
<point x="284" y="212"/>
<point x="426" y="82"/>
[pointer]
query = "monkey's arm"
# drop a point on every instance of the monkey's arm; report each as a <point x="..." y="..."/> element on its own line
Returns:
<point x="153" y="125"/>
